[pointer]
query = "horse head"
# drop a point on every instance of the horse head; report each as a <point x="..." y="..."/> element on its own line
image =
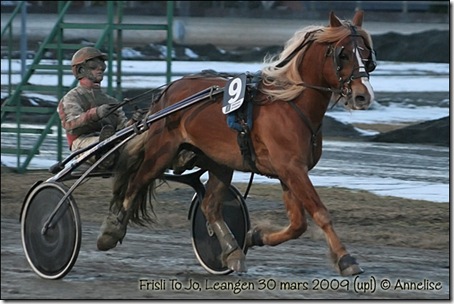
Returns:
<point x="353" y="61"/>
<point x="334" y="59"/>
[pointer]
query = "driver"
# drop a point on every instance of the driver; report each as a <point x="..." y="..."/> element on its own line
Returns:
<point x="87" y="114"/>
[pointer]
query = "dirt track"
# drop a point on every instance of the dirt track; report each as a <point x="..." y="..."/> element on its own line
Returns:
<point x="393" y="239"/>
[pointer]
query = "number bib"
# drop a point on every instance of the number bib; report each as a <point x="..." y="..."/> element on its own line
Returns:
<point x="234" y="94"/>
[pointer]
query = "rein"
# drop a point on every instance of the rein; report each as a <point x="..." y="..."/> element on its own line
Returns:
<point x="136" y="99"/>
<point x="143" y="95"/>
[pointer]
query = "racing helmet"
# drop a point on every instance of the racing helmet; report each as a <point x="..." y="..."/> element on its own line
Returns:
<point x="82" y="56"/>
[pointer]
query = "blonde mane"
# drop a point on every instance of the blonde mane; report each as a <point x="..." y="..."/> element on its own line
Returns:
<point x="281" y="82"/>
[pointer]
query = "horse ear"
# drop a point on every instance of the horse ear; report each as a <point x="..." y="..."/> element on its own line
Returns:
<point x="333" y="20"/>
<point x="358" y="18"/>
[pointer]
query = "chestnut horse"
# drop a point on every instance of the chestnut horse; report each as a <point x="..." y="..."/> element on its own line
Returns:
<point x="318" y="64"/>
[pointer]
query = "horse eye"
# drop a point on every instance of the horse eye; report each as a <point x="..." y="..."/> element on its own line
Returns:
<point x="370" y="65"/>
<point x="343" y="56"/>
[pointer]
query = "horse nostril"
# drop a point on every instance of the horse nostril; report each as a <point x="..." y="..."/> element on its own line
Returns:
<point x="360" y="99"/>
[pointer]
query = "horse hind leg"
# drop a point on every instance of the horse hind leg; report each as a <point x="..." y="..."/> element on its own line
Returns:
<point x="138" y="186"/>
<point x="112" y="231"/>
<point x="232" y="255"/>
<point x="114" y="226"/>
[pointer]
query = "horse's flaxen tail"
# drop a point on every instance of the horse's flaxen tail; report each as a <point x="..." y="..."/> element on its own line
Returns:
<point x="129" y="162"/>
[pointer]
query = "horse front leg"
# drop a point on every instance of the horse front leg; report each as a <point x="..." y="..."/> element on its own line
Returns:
<point x="299" y="194"/>
<point x="260" y="235"/>
<point x="232" y="255"/>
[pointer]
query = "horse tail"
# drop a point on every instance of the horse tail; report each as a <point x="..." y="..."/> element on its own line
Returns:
<point x="128" y="164"/>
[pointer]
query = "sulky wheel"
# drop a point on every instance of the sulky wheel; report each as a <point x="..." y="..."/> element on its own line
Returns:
<point x="205" y="243"/>
<point x="52" y="252"/>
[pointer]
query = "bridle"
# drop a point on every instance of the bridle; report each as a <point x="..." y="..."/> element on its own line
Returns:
<point x="360" y="71"/>
<point x="344" y="88"/>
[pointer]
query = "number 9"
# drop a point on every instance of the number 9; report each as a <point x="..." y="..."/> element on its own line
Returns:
<point x="234" y="90"/>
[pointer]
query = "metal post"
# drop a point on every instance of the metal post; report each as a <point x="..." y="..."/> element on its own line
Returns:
<point x="119" y="20"/>
<point x="169" y="40"/>
<point x="60" y="86"/>
<point x="110" y="22"/>
<point x="23" y="57"/>
<point x="23" y="38"/>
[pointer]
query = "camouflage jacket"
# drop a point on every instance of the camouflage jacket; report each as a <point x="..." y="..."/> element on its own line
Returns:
<point x="77" y="111"/>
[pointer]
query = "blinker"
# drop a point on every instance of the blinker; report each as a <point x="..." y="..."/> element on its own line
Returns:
<point x="337" y="60"/>
<point x="371" y="62"/>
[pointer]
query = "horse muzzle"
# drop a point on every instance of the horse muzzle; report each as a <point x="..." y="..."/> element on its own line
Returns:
<point x="360" y="102"/>
<point x="360" y="96"/>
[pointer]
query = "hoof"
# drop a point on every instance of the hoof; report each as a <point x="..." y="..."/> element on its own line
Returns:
<point x="236" y="261"/>
<point x="348" y="266"/>
<point x="254" y="238"/>
<point x="112" y="231"/>
<point x="106" y="242"/>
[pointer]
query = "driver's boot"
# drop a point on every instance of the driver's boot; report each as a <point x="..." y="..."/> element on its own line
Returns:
<point x="184" y="161"/>
<point x="106" y="132"/>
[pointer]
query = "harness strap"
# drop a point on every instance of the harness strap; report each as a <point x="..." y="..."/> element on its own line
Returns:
<point x="247" y="149"/>
<point x="314" y="132"/>
<point x="241" y="121"/>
